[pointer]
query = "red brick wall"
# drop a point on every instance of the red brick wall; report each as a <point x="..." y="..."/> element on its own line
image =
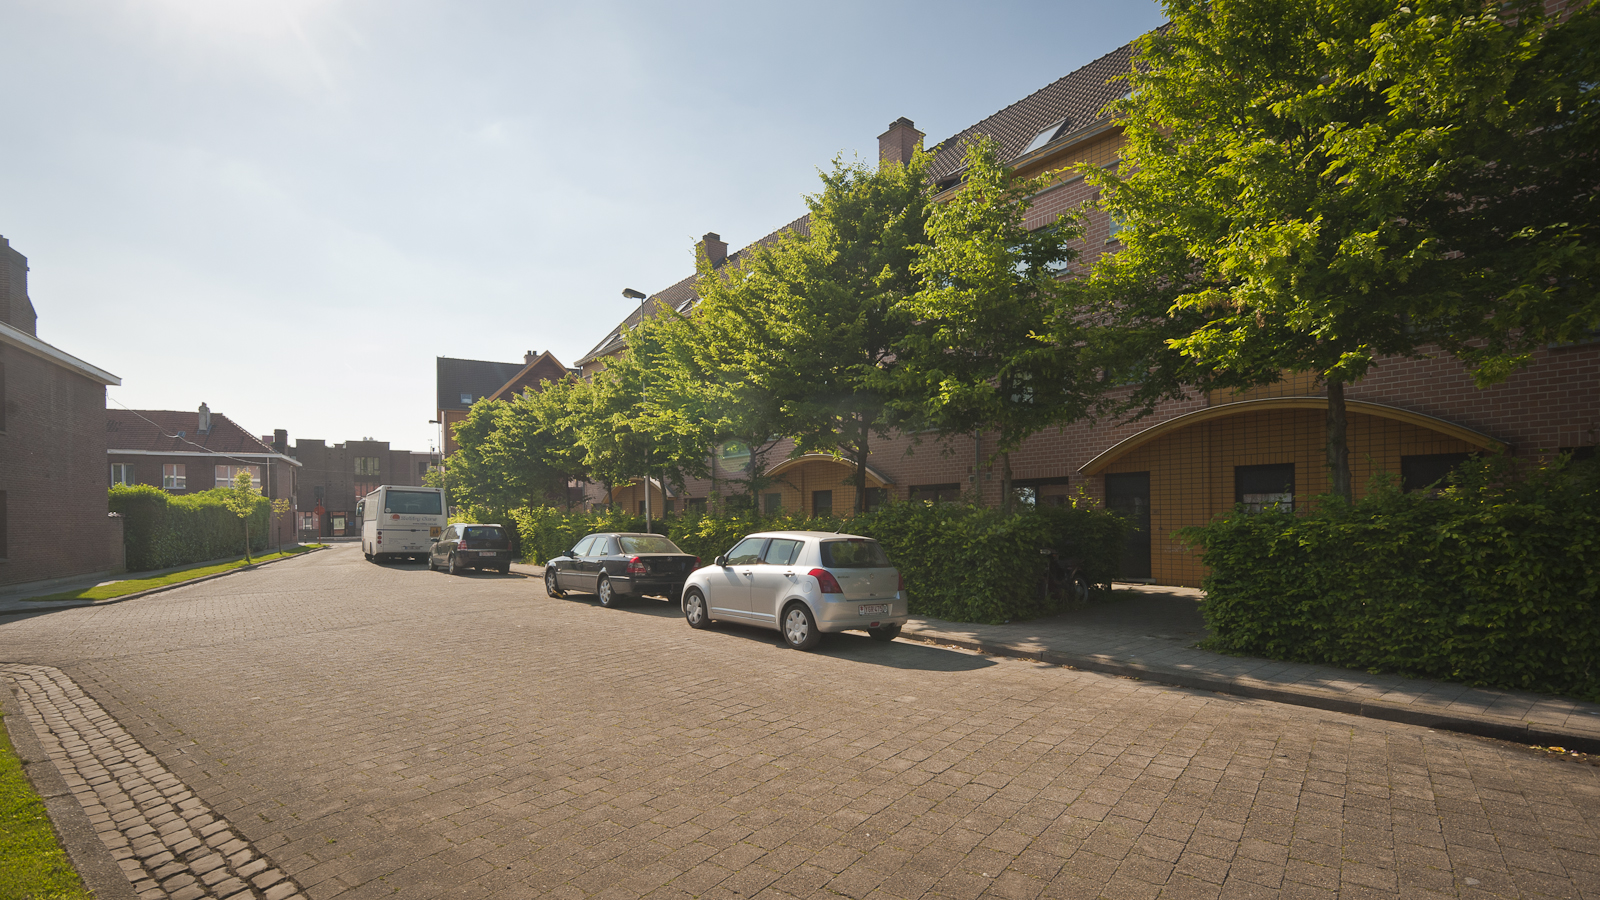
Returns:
<point x="52" y="471"/>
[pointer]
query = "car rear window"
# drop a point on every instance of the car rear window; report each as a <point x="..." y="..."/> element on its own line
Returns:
<point x="483" y="533"/>
<point x="649" y="543"/>
<point x="413" y="503"/>
<point x="854" y="554"/>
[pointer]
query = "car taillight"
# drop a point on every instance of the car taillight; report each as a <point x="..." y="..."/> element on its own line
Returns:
<point x="697" y="562"/>
<point x="636" y="566"/>
<point x="902" y="581"/>
<point x="380" y="537"/>
<point x="826" y="582"/>
<point x="462" y="545"/>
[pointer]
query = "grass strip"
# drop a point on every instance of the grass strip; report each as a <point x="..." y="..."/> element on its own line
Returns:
<point x="114" y="589"/>
<point x="32" y="864"/>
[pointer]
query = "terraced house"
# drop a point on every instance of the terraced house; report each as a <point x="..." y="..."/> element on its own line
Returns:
<point x="1193" y="458"/>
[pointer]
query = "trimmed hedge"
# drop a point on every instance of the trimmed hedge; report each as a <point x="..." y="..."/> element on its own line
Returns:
<point x="961" y="563"/>
<point x="1492" y="581"/>
<point x="162" y="529"/>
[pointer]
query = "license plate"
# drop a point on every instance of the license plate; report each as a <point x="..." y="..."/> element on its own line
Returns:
<point x="488" y="553"/>
<point x="873" y="609"/>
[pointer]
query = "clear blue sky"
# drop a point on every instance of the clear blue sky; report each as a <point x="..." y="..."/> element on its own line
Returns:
<point x="288" y="208"/>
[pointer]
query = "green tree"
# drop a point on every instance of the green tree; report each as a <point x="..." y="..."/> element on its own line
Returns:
<point x="824" y="314"/>
<point x="990" y="355"/>
<point x="280" y="507"/>
<point x="241" y="501"/>
<point x="1311" y="185"/>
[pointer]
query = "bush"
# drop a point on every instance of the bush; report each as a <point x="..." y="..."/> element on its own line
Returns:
<point x="962" y="563"/>
<point x="1492" y="581"/>
<point x="162" y="529"/>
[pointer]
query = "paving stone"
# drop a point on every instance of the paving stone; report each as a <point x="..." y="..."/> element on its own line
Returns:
<point x="472" y="737"/>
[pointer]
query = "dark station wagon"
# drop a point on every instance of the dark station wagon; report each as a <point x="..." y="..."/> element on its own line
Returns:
<point x="466" y="545"/>
<point x="616" y="565"/>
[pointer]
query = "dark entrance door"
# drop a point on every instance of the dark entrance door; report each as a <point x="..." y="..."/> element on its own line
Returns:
<point x="1128" y="493"/>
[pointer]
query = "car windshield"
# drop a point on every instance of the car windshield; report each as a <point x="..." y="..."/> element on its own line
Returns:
<point x="483" y="533"/>
<point x="413" y="503"/>
<point x="648" y="543"/>
<point x="854" y="554"/>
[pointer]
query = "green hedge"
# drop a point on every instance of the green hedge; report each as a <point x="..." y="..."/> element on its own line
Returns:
<point x="162" y="529"/>
<point x="1492" y="581"/>
<point x="961" y="563"/>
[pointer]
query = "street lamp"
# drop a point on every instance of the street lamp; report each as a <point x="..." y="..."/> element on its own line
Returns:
<point x="632" y="294"/>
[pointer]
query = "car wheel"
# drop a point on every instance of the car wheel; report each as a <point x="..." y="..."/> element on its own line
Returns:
<point x="552" y="584"/>
<point x="608" y="597"/>
<point x="886" y="633"/>
<point x="431" y="566"/>
<point x="505" y="569"/>
<point x="695" y="610"/>
<point x="454" y="568"/>
<point x="800" y="627"/>
<point x="365" y="553"/>
<point x="1078" y="591"/>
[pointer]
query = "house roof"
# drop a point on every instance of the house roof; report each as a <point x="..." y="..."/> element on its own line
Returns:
<point x="476" y="377"/>
<point x="545" y="360"/>
<point x="29" y="343"/>
<point x="1078" y="97"/>
<point x="175" y="431"/>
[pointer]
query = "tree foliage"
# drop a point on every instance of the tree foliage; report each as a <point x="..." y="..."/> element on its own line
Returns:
<point x="1311" y="185"/>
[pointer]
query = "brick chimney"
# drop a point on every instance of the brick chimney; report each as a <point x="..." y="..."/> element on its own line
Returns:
<point x="205" y="419"/>
<point x="280" y="440"/>
<point x="899" y="143"/>
<point x="529" y="357"/>
<point x="714" y="247"/>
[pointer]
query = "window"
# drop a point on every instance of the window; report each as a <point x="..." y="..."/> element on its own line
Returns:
<point x="422" y="469"/>
<point x="859" y="553"/>
<point x="649" y="543"/>
<point x="641" y="508"/>
<point x="226" y="474"/>
<point x="366" y="465"/>
<point x="772" y="503"/>
<point x="747" y="552"/>
<point x="822" y="503"/>
<point x="783" y="552"/>
<point x="466" y="398"/>
<point x="122" y="473"/>
<point x="363" y="488"/>
<point x="583" y="547"/>
<point x="308" y="521"/>
<point x="172" y="477"/>
<point x="1027" y="496"/>
<point x="694" y="505"/>
<point x="414" y="503"/>
<point x="1044" y="137"/>
<point x="1264" y="487"/>
<point x="1427" y="470"/>
<point x="936" y="493"/>
<point x="876" y="498"/>
<point x="482" y="533"/>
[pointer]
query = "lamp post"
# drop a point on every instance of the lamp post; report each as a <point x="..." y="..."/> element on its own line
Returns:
<point x="649" y="526"/>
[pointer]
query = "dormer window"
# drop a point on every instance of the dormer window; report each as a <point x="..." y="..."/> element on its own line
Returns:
<point x="466" y="398"/>
<point x="1049" y="134"/>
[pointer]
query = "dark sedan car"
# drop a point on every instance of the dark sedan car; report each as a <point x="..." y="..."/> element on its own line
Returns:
<point x="466" y="545"/>
<point x="613" y="566"/>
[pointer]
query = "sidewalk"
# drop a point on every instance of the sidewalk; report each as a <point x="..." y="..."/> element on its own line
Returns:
<point x="1151" y="632"/>
<point x="18" y="601"/>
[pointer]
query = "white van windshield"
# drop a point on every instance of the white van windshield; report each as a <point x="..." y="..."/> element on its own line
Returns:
<point x="413" y="503"/>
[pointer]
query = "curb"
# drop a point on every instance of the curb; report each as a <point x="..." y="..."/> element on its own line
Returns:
<point x="1515" y="731"/>
<point x="88" y="854"/>
<point x="75" y="604"/>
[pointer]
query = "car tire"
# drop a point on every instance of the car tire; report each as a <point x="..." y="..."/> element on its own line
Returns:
<point x="695" y="610"/>
<point x="552" y="583"/>
<point x="453" y="567"/>
<point x="1079" y="590"/>
<point x="886" y="634"/>
<point x="505" y="569"/>
<point x="799" y="627"/>
<point x="607" y="595"/>
<point x="365" y="553"/>
<point x="431" y="566"/>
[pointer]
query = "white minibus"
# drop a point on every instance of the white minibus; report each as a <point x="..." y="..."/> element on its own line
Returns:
<point x="400" y="521"/>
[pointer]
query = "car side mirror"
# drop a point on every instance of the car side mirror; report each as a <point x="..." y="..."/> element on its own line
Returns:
<point x="720" y="562"/>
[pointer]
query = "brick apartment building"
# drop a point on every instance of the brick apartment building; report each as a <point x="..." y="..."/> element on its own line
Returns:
<point x="52" y="448"/>
<point x="459" y="383"/>
<point x="334" y="477"/>
<point x="187" y="452"/>
<point x="1193" y="458"/>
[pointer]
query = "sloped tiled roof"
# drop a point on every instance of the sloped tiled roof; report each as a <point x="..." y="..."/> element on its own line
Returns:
<point x="1078" y="97"/>
<point x="158" y="429"/>
<point x="477" y="377"/>
<point x="545" y="361"/>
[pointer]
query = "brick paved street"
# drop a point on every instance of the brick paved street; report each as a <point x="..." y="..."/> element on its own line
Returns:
<point x="391" y="732"/>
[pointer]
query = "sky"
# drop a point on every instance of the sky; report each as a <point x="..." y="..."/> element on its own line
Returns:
<point x="287" y="209"/>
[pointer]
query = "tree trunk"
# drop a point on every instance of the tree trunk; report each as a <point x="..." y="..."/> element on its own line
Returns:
<point x="861" y="467"/>
<point x="1008" y="499"/>
<point x="246" y="521"/>
<point x="1338" y="449"/>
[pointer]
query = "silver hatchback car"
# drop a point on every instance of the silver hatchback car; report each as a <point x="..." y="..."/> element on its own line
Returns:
<point x="802" y="583"/>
